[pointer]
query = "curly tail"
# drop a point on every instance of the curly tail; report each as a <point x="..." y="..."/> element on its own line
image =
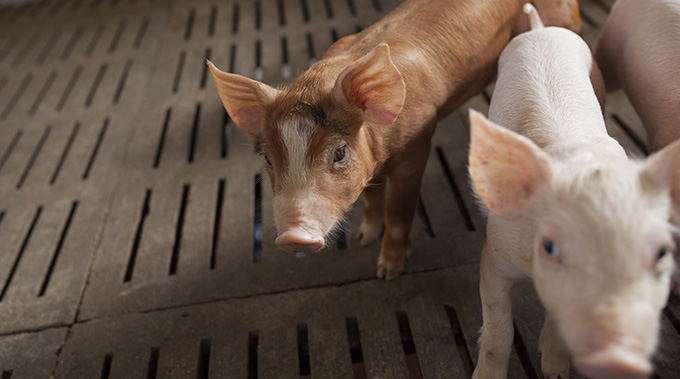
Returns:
<point x="534" y="18"/>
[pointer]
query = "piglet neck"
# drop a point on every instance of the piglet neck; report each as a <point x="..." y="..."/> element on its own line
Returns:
<point x="594" y="146"/>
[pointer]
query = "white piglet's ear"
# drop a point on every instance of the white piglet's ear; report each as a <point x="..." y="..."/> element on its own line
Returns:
<point x="662" y="170"/>
<point x="244" y="99"/>
<point x="374" y="85"/>
<point x="506" y="168"/>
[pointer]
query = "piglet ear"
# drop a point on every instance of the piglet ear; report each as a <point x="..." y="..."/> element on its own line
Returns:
<point x="662" y="170"/>
<point x="506" y="168"/>
<point x="244" y="99"/>
<point x="374" y="85"/>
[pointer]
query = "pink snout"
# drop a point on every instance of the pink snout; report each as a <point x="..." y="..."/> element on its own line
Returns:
<point x="614" y="361"/>
<point x="299" y="240"/>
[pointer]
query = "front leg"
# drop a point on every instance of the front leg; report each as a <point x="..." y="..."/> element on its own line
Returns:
<point x="374" y="208"/>
<point x="406" y="175"/>
<point x="497" y="330"/>
<point x="554" y="354"/>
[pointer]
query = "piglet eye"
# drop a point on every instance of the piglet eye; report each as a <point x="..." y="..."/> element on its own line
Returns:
<point x="266" y="158"/>
<point x="339" y="154"/>
<point x="549" y="248"/>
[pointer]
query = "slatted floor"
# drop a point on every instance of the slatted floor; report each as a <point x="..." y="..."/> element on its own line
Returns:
<point x="136" y="233"/>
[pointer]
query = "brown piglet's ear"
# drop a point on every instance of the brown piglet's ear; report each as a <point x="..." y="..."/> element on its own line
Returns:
<point x="244" y="99"/>
<point x="374" y="85"/>
<point x="507" y="169"/>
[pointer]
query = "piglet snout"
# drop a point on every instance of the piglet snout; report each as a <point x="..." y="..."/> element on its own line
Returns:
<point x="614" y="361"/>
<point x="299" y="240"/>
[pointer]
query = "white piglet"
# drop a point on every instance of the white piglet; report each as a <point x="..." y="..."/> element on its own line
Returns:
<point x="570" y="211"/>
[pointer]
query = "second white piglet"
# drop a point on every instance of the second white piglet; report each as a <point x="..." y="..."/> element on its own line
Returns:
<point x="639" y="51"/>
<point x="570" y="211"/>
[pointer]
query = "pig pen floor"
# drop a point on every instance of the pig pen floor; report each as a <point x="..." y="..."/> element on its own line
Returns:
<point x="136" y="233"/>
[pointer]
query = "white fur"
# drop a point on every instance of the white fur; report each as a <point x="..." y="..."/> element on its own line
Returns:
<point x="554" y="84"/>
<point x="534" y="19"/>
<point x="606" y="220"/>
<point x="296" y="134"/>
<point x="298" y="204"/>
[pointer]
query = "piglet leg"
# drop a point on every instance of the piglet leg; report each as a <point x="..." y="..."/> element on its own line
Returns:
<point x="554" y="354"/>
<point x="405" y="179"/>
<point x="374" y="208"/>
<point x="497" y="330"/>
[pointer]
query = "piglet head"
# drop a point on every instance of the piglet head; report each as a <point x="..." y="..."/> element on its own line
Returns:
<point x="599" y="235"/>
<point x="321" y="137"/>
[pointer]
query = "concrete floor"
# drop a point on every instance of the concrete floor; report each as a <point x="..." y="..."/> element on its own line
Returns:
<point x="136" y="233"/>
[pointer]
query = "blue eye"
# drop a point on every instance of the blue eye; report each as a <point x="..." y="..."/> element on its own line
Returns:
<point x="550" y="248"/>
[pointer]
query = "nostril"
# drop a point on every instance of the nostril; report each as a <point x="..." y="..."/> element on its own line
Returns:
<point x="614" y="362"/>
<point x="299" y="241"/>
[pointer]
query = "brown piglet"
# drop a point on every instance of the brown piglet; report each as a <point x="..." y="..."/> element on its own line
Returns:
<point x="364" y="115"/>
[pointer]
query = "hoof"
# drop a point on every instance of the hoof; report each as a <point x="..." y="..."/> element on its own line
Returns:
<point x="389" y="269"/>
<point x="368" y="233"/>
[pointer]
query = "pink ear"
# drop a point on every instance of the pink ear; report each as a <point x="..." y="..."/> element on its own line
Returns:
<point x="506" y="168"/>
<point x="244" y="99"/>
<point x="374" y="85"/>
<point x="662" y="170"/>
